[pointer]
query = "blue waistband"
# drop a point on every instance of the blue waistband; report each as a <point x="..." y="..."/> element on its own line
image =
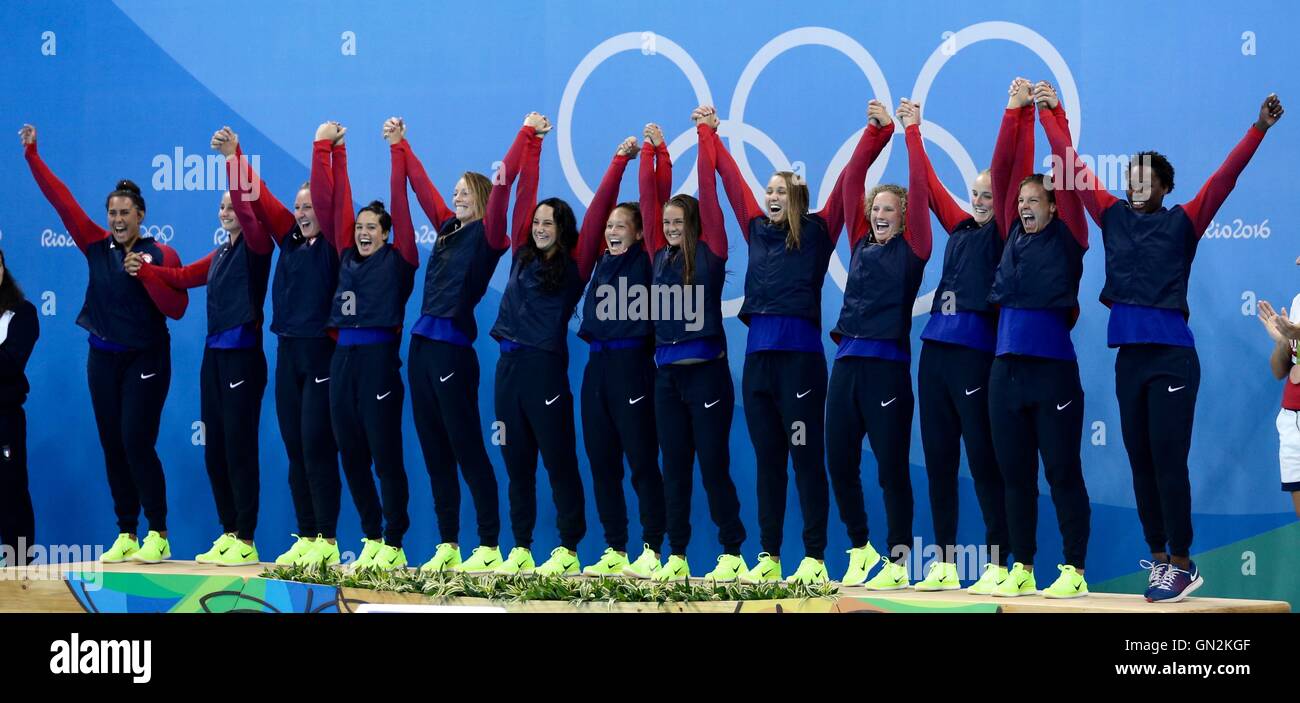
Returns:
<point x="358" y="336"/>
<point x="782" y="333"/>
<point x="104" y="345"/>
<point x="1035" y="332"/>
<point x="508" y="346"/>
<point x="603" y="345"/>
<point x="695" y="349"/>
<point x="888" y="349"/>
<point x="440" y="329"/>
<point x="976" y="330"/>
<point x="245" y="336"/>
<point x="1140" y="324"/>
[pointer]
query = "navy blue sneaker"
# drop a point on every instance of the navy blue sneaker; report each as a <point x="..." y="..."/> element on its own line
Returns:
<point x="1175" y="584"/>
<point x="1157" y="570"/>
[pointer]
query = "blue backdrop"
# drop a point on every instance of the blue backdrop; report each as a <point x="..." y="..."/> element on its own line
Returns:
<point x="128" y="89"/>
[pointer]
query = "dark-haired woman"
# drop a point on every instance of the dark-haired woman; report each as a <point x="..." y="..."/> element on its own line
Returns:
<point x="19" y="329"/>
<point x="871" y="381"/>
<point x="306" y="274"/>
<point x="618" y="383"/>
<point x="784" y="382"/>
<point x="232" y="377"/>
<point x="695" y="398"/>
<point x="366" y="390"/>
<point x="129" y="364"/>
<point x="533" y="400"/>
<point x="1035" y="397"/>
<point x="1149" y="252"/>
<point x="444" y="369"/>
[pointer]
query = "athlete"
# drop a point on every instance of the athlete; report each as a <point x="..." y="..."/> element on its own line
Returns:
<point x="19" y="329"/>
<point x="129" y="363"/>
<point x="232" y="377"/>
<point x="784" y="381"/>
<point x="1149" y="253"/>
<point x="871" y="381"/>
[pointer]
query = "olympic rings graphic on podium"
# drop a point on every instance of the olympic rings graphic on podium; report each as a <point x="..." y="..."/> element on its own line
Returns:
<point x="740" y="133"/>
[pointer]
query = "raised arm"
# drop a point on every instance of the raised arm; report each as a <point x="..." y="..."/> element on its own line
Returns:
<point x="1202" y="208"/>
<point x="494" y="217"/>
<point x="521" y="219"/>
<point x="743" y="204"/>
<point x="663" y="171"/>
<point x="1092" y="192"/>
<point x="344" y="215"/>
<point x="869" y="146"/>
<point x="1004" y="155"/>
<point x="1069" y="203"/>
<point x="916" y="231"/>
<point x="255" y="234"/>
<point x="591" y="237"/>
<point x="852" y="182"/>
<point x="431" y="201"/>
<point x="948" y="210"/>
<point x="713" y="231"/>
<point x="83" y="231"/>
<point x="403" y="229"/>
<point x="322" y="181"/>
<point x="652" y="195"/>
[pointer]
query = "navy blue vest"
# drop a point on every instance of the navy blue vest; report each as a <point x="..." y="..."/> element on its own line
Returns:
<point x="882" y="286"/>
<point x="457" y="275"/>
<point x="236" y="286"/>
<point x="1148" y="257"/>
<point x="710" y="272"/>
<point x="117" y="306"/>
<point x="969" y="260"/>
<point x="532" y="316"/>
<point x="374" y="289"/>
<point x="1039" y="271"/>
<point x="306" y="276"/>
<point x="781" y="281"/>
<point x="620" y="273"/>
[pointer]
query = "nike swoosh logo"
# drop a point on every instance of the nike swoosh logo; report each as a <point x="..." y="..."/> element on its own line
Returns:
<point x="709" y="405"/>
<point x="381" y="397"/>
<point x="800" y="395"/>
<point x="1175" y="390"/>
<point x="972" y="392"/>
<point x="678" y="571"/>
<point x="1067" y="404"/>
<point x="322" y="380"/>
<point x="236" y="385"/>
<point x="634" y="402"/>
<point x="145" y="378"/>
<point x="885" y="403"/>
<point x="443" y="379"/>
<point x="764" y="574"/>
<point x="489" y="563"/>
<point x="552" y="400"/>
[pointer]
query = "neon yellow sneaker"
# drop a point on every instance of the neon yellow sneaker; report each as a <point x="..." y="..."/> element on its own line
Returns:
<point x="219" y="547"/>
<point x="611" y="564"/>
<point x="675" y="570"/>
<point x="301" y="546"/>
<point x="1069" y="584"/>
<point x="369" y="548"/>
<point x="445" y="558"/>
<point x="154" y="549"/>
<point x="645" y="566"/>
<point x="389" y="558"/>
<point x="994" y="574"/>
<point x="1019" y="582"/>
<point x="562" y="563"/>
<point x="810" y="571"/>
<point x="861" y="561"/>
<point x="322" y="553"/>
<point x="483" y="560"/>
<point x="239" y="554"/>
<point x="123" y="548"/>
<point x="942" y="576"/>
<point x="765" y="569"/>
<point x="519" y="562"/>
<point x="891" y="577"/>
<point x="730" y="567"/>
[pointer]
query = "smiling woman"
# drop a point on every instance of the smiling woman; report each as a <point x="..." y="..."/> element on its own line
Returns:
<point x="129" y="365"/>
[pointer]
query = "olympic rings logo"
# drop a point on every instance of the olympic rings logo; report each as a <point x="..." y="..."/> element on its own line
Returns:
<point x="162" y="233"/>
<point x="739" y="133"/>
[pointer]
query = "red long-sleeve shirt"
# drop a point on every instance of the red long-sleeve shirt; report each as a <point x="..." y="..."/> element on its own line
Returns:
<point x="85" y="232"/>
<point x="713" y="233"/>
<point x="852" y="183"/>
<point x="274" y="218"/>
<point x="591" y="237"/>
<point x="917" y="231"/>
<point x="521" y="219"/>
<point x="1069" y="203"/>
<point x="403" y="234"/>
<point x="950" y="213"/>
<point x="655" y="179"/>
